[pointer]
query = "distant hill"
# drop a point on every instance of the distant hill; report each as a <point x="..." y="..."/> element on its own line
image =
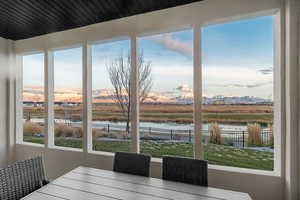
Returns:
<point x="36" y="94"/>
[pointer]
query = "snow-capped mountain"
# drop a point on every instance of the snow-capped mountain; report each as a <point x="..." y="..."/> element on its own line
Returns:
<point x="108" y="96"/>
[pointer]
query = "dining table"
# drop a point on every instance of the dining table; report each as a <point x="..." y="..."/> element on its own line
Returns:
<point x="83" y="183"/>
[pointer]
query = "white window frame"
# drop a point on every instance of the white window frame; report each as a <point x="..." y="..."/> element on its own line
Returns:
<point x="19" y="98"/>
<point x="279" y="84"/>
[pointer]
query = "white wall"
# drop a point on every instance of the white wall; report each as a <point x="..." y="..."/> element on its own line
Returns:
<point x="58" y="162"/>
<point x="292" y="100"/>
<point x="5" y="51"/>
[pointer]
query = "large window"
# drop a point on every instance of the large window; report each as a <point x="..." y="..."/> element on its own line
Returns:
<point x="110" y="96"/>
<point x="238" y="93"/>
<point x="165" y="63"/>
<point x="33" y="98"/>
<point x="68" y="97"/>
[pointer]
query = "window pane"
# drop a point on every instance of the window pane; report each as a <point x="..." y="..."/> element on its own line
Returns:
<point x="68" y="97"/>
<point x="238" y="93"/>
<point x="33" y="98"/>
<point x="166" y="94"/>
<point x="110" y="89"/>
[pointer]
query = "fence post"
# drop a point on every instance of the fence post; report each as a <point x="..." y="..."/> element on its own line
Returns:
<point x="108" y="128"/>
<point x="243" y="139"/>
<point x="171" y="134"/>
<point x="190" y="137"/>
<point x="150" y="130"/>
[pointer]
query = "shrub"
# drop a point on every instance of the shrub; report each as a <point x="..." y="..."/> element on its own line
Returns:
<point x="147" y="135"/>
<point x="78" y="132"/>
<point x="99" y="133"/>
<point x="112" y="135"/>
<point x="125" y="135"/>
<point x="62" y="130"/>
<point x="68" y="131"/>
<point x="30" y="128"/>
<point x="58" y="130"/>
<point x="215" y="133"/>
<point x="271" y="136"/>
<point x="254" y="135"/>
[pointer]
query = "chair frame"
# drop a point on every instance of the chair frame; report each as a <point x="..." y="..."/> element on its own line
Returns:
<point x="185" y="170"/>
<point x="123" y="163"/>
<point x="22" y="178"/>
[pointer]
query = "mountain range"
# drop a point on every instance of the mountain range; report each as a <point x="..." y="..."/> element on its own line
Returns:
<point x="36" y="94"/>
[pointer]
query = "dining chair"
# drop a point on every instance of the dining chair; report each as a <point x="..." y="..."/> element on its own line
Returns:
<point x="132" y="163"/>
<point x="22" y="178"/>
<point x="185" y="170"/>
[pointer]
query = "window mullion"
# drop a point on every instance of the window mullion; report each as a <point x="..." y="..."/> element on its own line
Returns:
<point x="49" y="94"/>
<point x="87" y="97"/>
<point x="134" y="98"/>
<point x="197" y="93"/>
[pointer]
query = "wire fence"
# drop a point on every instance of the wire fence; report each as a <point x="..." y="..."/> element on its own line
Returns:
<point x="238" y="138"/>
<point x="230" y="137"/>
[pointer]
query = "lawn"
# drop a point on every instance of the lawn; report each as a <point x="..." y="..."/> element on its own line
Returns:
<point x="215" y="154"/>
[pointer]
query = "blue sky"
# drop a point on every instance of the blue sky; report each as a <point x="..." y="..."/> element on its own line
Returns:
<point x="237" y="60"/>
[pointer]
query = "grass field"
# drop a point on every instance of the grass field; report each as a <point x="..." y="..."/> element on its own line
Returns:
<point x="169" y="113"/>
<point x="215" y="154"/>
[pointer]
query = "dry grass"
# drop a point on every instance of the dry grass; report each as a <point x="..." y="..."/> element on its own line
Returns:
<point x="173" y="108"/>
<point x="30" y="128"/>
<point x="271" y="135"/>
<point x="98" y="133"/>
<point x="167" y="113"/>
<point x="254" y="135"/>
<point x="147" y="135"/>
<point x="237" y="109"/>
<point x="215" y="133"/>
<point x="62" y="130"/>
<point x="163" y="108"/>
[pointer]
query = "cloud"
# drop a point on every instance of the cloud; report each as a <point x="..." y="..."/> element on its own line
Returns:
<point x="168" y="42"/>
<point x="184" y="91"/>
<point x="184" y="88"/>
<point x="237" y="85"/>
<point x="266" y="71"/>
<point x="238" y="74"/>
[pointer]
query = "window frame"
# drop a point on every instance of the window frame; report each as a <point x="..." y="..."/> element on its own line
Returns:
<point x="19" y="97"/>
<point x="50" y="95"/>
<point x="279" y="84"/>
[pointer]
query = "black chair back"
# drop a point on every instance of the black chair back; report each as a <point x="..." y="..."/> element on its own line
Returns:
<point x="132" y="163"/>
<point x="185" y="170"/>
<point x="22" y="178"/>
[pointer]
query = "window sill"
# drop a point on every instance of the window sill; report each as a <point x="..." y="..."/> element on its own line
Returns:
<point x="243" y="170"/>
<point x="102" y="153"/>
<point x="31" y="144"/>
<point x="66" y="148"/>
<point x="232" y="169"/>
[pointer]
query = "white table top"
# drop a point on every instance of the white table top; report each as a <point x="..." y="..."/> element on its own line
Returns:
<point x="94" y="184"/>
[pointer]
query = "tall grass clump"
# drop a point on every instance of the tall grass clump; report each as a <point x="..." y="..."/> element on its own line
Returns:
<point x="215" y="133"/>
<point x="271" y="136"/>
<point x="102" y="133"/>
<point x="254" y="135"/>
<point x="62" y="130"/>
<point x="30" y="128"/>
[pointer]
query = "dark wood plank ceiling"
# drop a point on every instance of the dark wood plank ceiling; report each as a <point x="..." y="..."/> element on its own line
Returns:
<point x="21" y="19"/>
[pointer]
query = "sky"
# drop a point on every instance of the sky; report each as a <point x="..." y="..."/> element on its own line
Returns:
<point x="237" y="60"/>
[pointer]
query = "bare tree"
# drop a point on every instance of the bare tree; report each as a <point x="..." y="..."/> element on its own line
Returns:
<point x="119" y="74"/>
